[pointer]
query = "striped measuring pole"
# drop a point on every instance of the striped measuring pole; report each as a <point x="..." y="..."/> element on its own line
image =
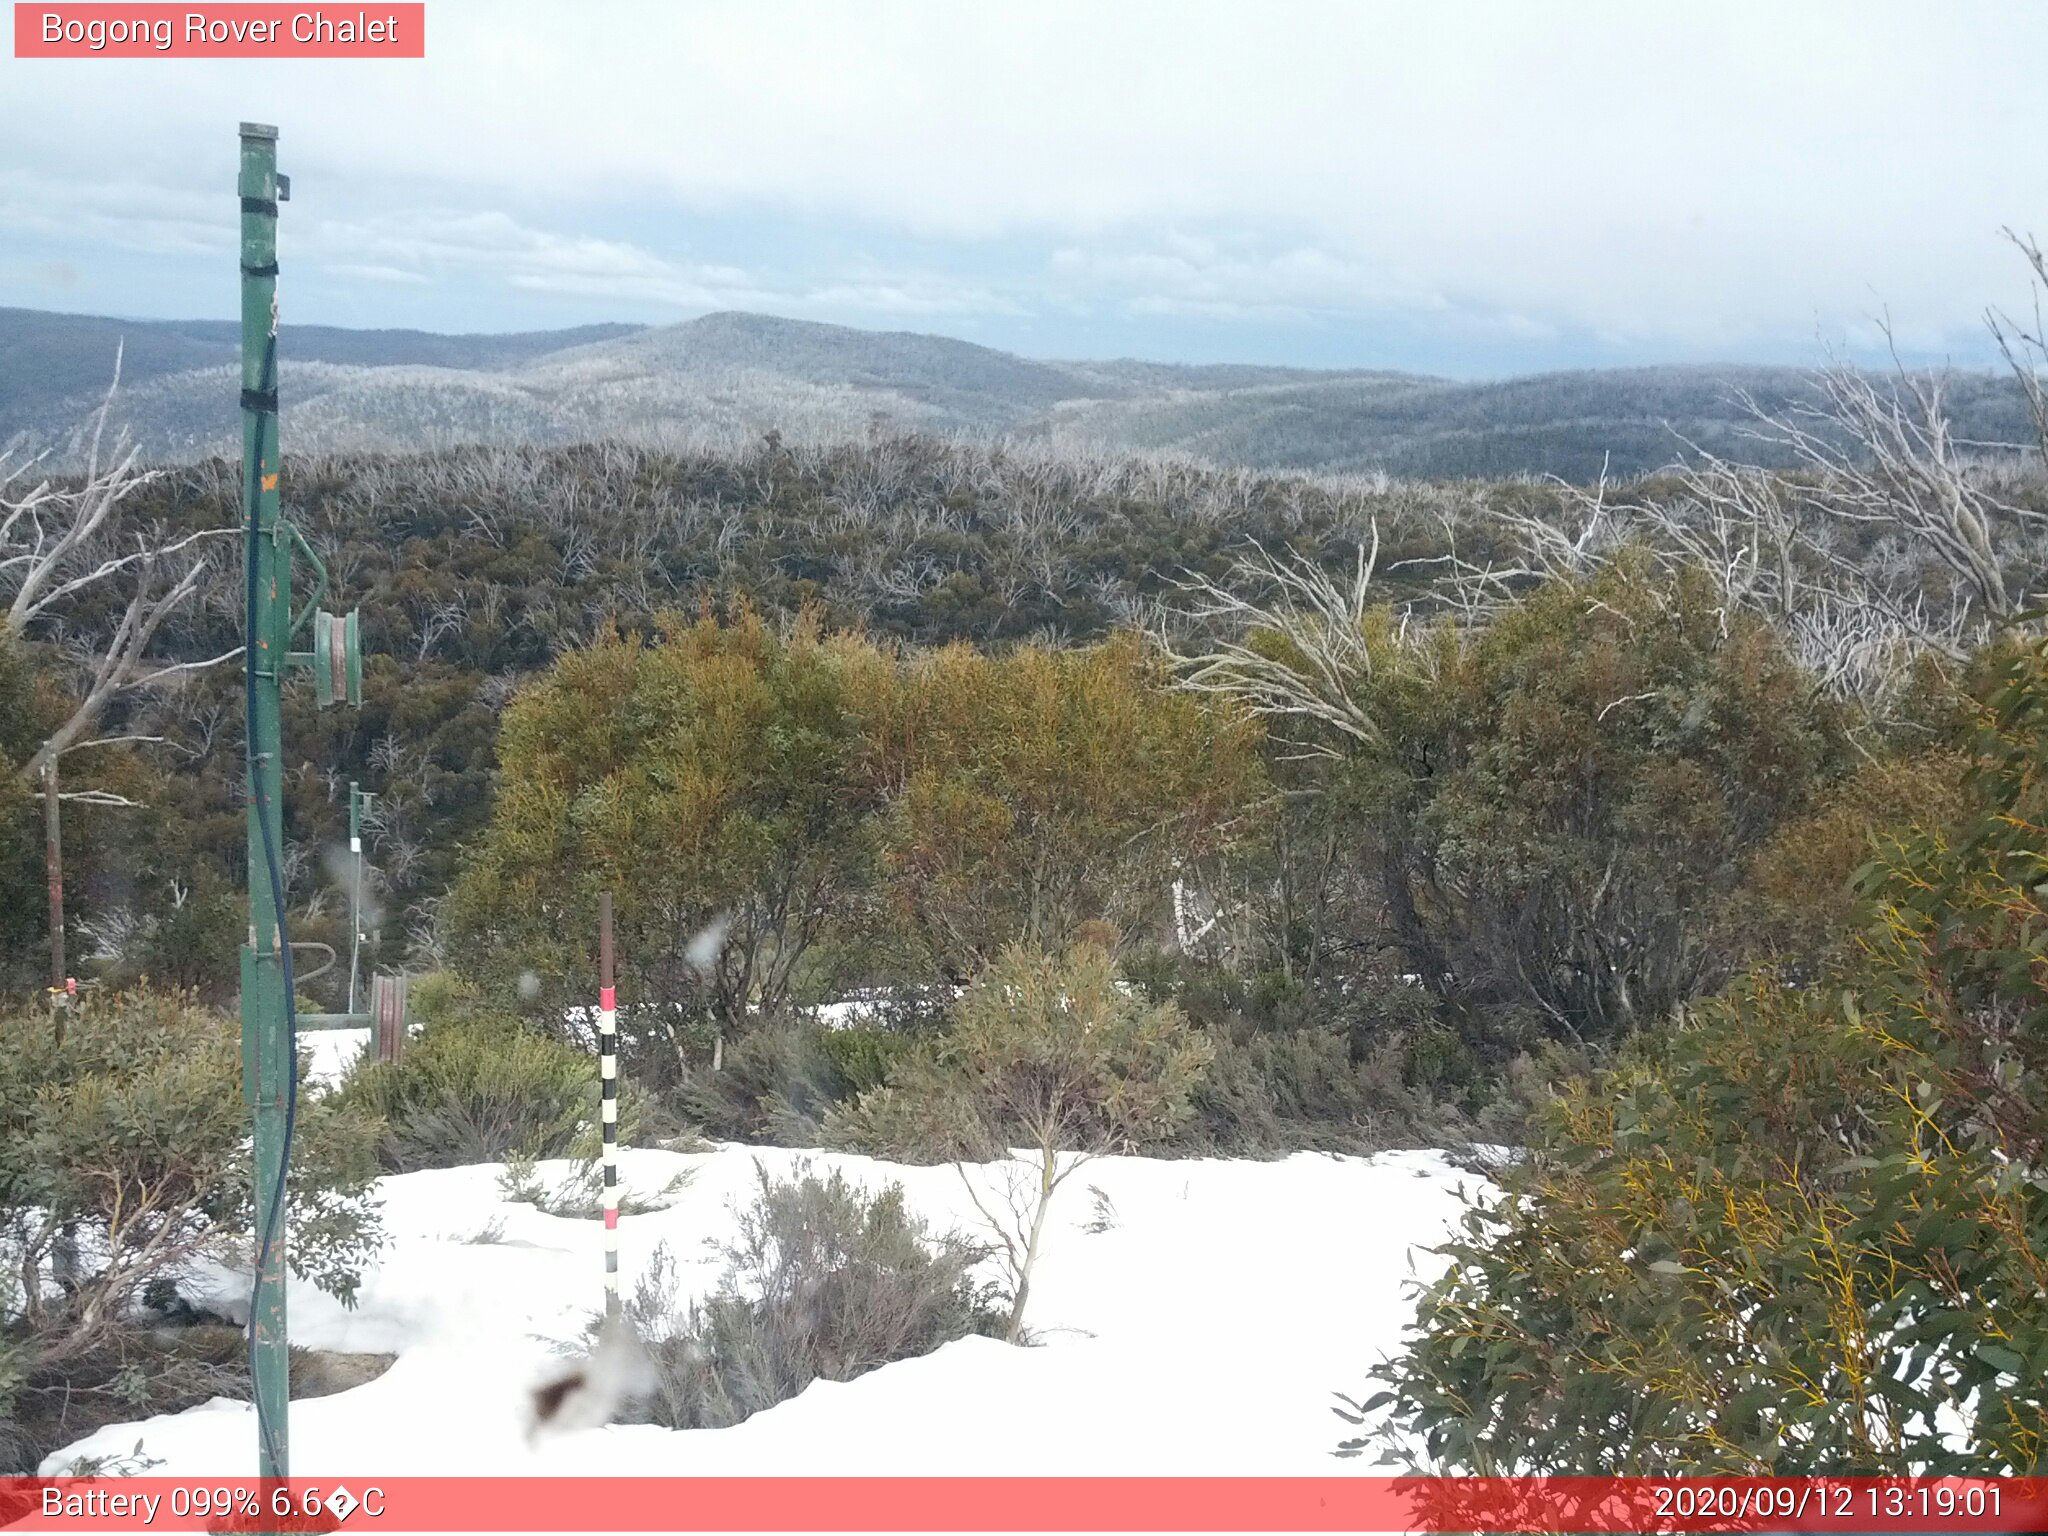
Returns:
<point x="608" y="1105"/>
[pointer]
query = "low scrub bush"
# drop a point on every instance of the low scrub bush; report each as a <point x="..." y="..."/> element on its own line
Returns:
<point x="478" y="1086"/>
<point x="579" y="1196"/>
<point x="779" y="1081"/>
<point x="823" y="1281"/>
<point x="863" y="1058"/>
<point x="124" y="1162"/>
<point x="1274" y="1094"/>
<point x="1348" y="1064"/>
<point x="1054" y="1054"/>
<point x="1299" y="1090"/>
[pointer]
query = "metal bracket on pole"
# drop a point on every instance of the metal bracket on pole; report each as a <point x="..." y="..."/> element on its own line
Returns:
<point x="337" y="659"/>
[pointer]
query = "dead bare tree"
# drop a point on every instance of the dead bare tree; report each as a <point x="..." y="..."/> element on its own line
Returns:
<point x="1886" y="455"/>
<point x="1886" y="538"/>
<point x="1295" y="655"/>
<point x="58" y="543"/>
<point x="2024" y="345"/>
<point x="446" y="618"/>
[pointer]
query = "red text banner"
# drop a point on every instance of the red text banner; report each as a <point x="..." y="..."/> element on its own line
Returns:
<point x="262" y="31"/>
<point x="379" y="1504"/>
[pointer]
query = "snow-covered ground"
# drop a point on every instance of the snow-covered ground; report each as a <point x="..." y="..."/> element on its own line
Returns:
<point x="332" y="1053"/>
<point x="1203" y="1333"/>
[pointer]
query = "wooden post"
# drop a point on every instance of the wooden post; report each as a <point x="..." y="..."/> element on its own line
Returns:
<point x="387" y="1007"/>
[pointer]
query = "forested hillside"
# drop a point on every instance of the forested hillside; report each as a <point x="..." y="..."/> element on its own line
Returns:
<point x="724" y="380"/>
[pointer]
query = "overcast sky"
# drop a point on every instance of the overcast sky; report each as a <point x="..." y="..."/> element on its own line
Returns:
<point x="1453" y="188"/>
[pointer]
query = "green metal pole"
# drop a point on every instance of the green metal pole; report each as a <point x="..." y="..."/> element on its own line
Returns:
<point x="267" y="1064"/>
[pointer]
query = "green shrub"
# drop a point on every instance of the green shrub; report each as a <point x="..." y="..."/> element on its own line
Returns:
<point x="124" y="1156"/>
<point x="863" y="1058"/>
<point x="1352" y="1064"/>
<point x="775" y="1082"/>
<point x="1805" y="1233"/>
<point x="781" y="1079"/>
<point x="477" y="1086"/>
<point x="1551" y="814"/>
<point x="1298" y="1090"/>
<point x="1801" y="885"/>
<point x="823" y="1281"/>
<point x="1052" y="1053"/>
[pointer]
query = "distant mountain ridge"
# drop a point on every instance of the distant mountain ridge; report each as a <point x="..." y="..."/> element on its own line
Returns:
<point x="732" y="375"/>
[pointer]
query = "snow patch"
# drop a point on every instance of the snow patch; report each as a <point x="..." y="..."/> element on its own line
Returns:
<point x="1203" y="1334"/>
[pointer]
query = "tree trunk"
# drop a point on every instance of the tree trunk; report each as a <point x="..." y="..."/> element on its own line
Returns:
<point x="1047" y="1166"/>
<point x="53" y="848"/>
<point x="64" y="1255"/>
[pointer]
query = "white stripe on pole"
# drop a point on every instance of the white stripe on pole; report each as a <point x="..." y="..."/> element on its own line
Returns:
<point x="608" y="1090"/>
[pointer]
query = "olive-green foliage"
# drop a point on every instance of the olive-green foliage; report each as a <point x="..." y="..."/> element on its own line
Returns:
<point x="863" y="1058"/>
<point x="1269" y="1094"/>
<point x="1054" y="1054"/>
<point x="111" y="853"/>
<point x="194" y="940"/>
<point x="1340" y="1056"/>
<point x="123" y="1137"/>
<point x="837" y="812"/>
<point x="822" y="1281"/>
<point x="1039" y="792"/>
<point x="1051" y="1052"/>
<point x="1561" y="808"/>
<point x="1805" y="1233"/>
<point x="24" y="924"/>
<point x="19" y="1450"/>
<point x="1800" y="897"/>
<point x="710" y="779"/>
<point x="477" y="1085"/>
<point x="1297" y="1070"/>
<point x="779" y="1081"/>
<point x="477" y="570"/>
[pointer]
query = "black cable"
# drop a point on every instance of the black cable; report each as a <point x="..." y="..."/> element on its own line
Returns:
<point x="270" y="1218"/>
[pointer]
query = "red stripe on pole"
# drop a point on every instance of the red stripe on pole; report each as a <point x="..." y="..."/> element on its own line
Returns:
<point x="1252" y="1504"/>
<point x="608" y="998"/>
<point x="611" y="1218"/>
